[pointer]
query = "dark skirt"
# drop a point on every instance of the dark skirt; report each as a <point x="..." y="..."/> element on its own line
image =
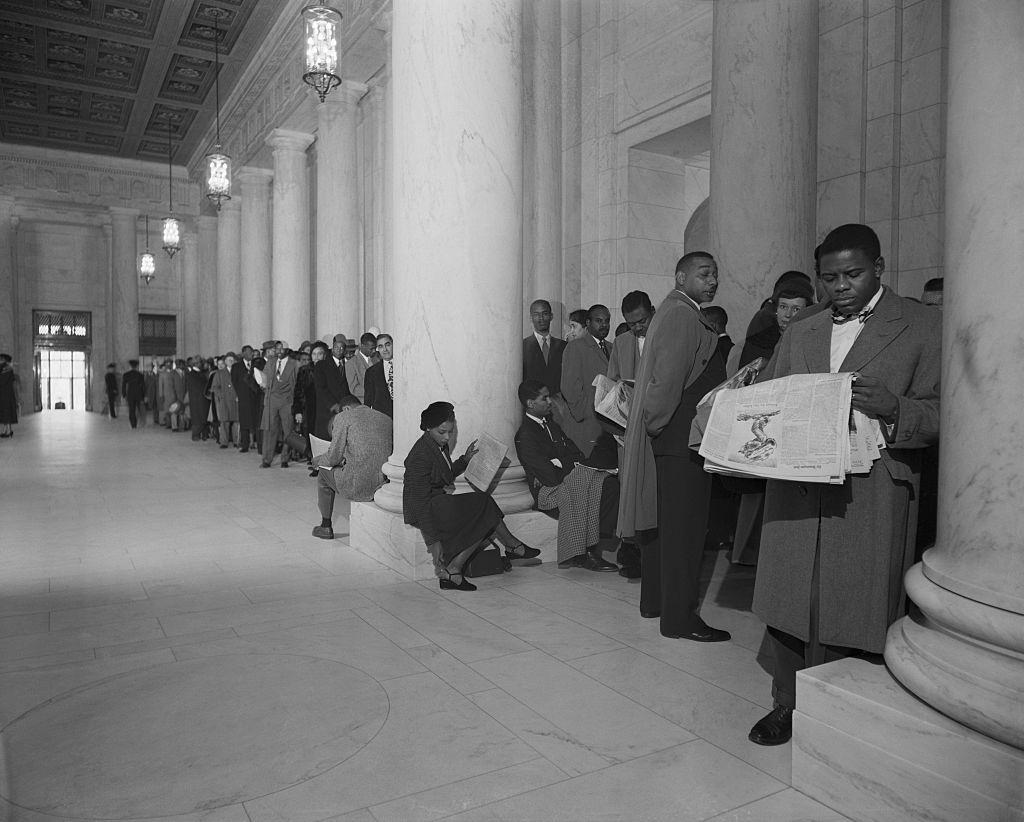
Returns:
<point x="463" y="520"/>
<point x="8" y="402"/>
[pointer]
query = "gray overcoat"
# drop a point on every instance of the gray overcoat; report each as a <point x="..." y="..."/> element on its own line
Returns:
<point x="864" y="529"/>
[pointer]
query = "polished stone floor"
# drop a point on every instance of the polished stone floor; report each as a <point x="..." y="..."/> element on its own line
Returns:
<point x="175" y="644"/>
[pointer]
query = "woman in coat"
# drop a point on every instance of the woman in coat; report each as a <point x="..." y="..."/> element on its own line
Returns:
<point x="225" y="401"/>
<point x="8" y="396"/>
<point x="461" y="523"/>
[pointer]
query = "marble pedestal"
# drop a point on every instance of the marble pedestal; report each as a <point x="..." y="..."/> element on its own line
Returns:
<point x="865" y="746"/>
<point x="383" y="536"/>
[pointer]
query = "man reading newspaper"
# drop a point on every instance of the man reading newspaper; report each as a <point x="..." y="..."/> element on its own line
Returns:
<point x="830" y="573"/>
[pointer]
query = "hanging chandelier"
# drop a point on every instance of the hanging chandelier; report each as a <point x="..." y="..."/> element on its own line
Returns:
<point x="147" y="263"/>
<point x="320" y="23"/>
<point x="171" y="233"/>
<point x="218" y="164"/>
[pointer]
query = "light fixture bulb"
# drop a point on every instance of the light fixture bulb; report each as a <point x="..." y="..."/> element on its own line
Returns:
<point x="321" y="35"/>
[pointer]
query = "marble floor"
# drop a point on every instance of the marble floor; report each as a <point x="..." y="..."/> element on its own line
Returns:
<point x="175" y="644"/>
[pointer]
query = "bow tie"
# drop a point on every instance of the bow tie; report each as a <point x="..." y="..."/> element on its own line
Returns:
<point x="839" y="319"/>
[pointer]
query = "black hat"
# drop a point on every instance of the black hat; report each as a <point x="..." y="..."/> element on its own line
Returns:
<point x="435" y="414"/>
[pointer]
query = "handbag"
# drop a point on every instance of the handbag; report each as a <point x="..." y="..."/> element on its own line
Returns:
<point x="298" y="444"/>
<point x="486" y="562"/>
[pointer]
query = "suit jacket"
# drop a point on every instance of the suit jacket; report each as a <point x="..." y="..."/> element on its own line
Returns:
<point x="178" y="379"/>
<point x="133" y="386"/>
<point x="247" y="390"/>
<point x="625" y="358"/>
<point x="355" y="368"/>
<point x="536" y="450"/>
<point x="110" y="381"/>
<point x="199" y="405"/>
<point x="279" y="390"/>
<point x="581" y="362"/>
<point x="680" y="341"/>
<point x="426" y="475"/>
<point x="862" y="531"/>
<point x="331" y="386"/>
<point x="377" y="395"/>
<point x="361" y="443"/>
<point x="534" y="367"/>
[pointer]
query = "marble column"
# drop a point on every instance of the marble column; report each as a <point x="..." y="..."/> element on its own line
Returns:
<point x="542" y="158"/>
<point x="190" y="335"/>
<point x="8" y="335"/>
<point x="378" y="312"/>
<point x="457" y="272"/>
<point x="257" y="227"/>
<point x="208" y="335"/>
<point x="338" y="257"/>
<point x="965" y="654"/>
<point x="124" y="285"/>
<point x="764" y="72"/>
<point x="291" y="302"/>
<point x="229" y="276"/>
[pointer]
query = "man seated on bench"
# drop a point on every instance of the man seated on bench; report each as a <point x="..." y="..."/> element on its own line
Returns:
<point x="587" y="499"/>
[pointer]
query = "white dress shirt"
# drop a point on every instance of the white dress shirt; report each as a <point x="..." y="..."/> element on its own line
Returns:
<point x="844" y="335"/>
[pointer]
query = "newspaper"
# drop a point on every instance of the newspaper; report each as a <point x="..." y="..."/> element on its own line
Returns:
<point x="318" y="446"/>
<point x="612" y="399"/>
<point x="798" y="427"/>
<point x="487" y="462"/>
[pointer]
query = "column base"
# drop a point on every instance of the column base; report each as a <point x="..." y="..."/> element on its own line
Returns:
<point x="963" y="657"/>
<point x="867" y="748"/>
<point x="383" y="535"/>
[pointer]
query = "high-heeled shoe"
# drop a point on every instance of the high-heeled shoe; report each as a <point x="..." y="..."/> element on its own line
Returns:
<point x="449" y="584"/>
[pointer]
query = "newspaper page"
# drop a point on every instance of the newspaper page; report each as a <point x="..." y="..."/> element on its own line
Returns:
<point x="317" y="446"/>
<point x="487" y="462"/>
<point x="795" y="428"/>
<point x="612" y="399"/>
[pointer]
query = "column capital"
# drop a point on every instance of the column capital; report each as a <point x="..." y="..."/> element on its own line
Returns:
<point x="208" y="222"/>
<point x="254" y="174"/>
<point x="127" y="213"/>
<point x="347" y="94"/>
<point x="229" y="206"/>
<point x="281" y="139"/>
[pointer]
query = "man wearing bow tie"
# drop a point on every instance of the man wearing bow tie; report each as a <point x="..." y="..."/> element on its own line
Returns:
<point x="830" y="572"/>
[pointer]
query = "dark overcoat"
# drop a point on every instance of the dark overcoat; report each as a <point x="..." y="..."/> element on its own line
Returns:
<point x="864" y="529"/>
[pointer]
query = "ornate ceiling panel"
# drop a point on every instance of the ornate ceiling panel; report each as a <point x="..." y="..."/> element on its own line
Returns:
<point x="111" y="76"/>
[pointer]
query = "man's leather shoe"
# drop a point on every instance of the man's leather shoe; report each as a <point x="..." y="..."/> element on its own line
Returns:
<point x="775" y="728"/>
<point x="284" y="463"/>
<point x="705" y="634"/>
<point x="264" y="465"/>
<point x="573" y="562"/>
<point x="650" y="614"/>
<point x="323" y="532"/>
<point x="594" y="562"/>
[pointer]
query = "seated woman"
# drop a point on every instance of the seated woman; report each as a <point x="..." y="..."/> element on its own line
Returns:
<point x="461" y="523"/>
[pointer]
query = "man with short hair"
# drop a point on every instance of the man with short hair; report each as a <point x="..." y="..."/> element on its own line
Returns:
<point x="627" y="349"/>
<point x="664" y="485"/>
<point x="133" y="389"/>
<point x="832" y="558"/>
<point x="356" y="365"/>
<point x="361" y="442"/>
<point x="198" y="403"/>
<point x="542" y="351"/>
<point x="587" y="500"/>
<point x="584" y="358"/>
<point x="248" y="392"/>
<point x="278" y="378"/>
<point x="379" y="380"/>
<point x="331" y="385"/>
<point x="110" y="383"/>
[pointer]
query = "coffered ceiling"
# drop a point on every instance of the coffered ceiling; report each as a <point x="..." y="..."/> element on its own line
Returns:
<point x="114" y="76"/>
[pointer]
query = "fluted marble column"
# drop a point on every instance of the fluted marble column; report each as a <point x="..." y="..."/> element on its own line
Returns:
<point x="290" y="245"/>
<point x="338" y="268"/>
<point x="965" y="656"/>
<point x="457" y="275"/>
<point x="763" y="147"/>
<point x="229" y="276"/>
<point x="190" y="335"/>
<point x="208" y="335"/>
<point x="7" y="328"/>
<point x="542" y="197"/>
<point x="257" y="227"/>
<point x="377" y="311"/>
<point x="124" y="290"/>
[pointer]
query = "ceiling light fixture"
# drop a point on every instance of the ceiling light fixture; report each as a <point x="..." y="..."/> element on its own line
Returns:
<point x="147" y="263"/>
<point x="320" y="24"/>
<point x="172" y="234"/>
<point x="218" y="164"/>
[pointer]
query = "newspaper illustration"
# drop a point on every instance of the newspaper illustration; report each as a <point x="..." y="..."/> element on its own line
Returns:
<point x="793" y="428"/>
<point x="487" y="463"/>
<point x="745" y="376"/>
<point x="612" y="399"/>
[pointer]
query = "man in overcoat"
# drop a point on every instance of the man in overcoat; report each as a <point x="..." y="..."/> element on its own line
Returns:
<point x="583" y="359"/>
<point x="830" y="572"/>
<point x="664" y="485"/>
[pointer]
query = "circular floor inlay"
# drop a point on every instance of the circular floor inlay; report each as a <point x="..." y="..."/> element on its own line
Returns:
<point x="189" y="736"/>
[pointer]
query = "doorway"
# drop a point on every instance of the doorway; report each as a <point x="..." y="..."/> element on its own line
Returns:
<point x="63" y="369"/>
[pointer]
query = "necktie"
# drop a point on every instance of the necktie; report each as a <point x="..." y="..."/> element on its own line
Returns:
<point x="391" y="380"/>
<point x="280" y="368"/>
<point x="839" y="319"/>
<point x="545" y="349"/>
<point x="544" y="425"/>
<point x="604" y="348"/>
